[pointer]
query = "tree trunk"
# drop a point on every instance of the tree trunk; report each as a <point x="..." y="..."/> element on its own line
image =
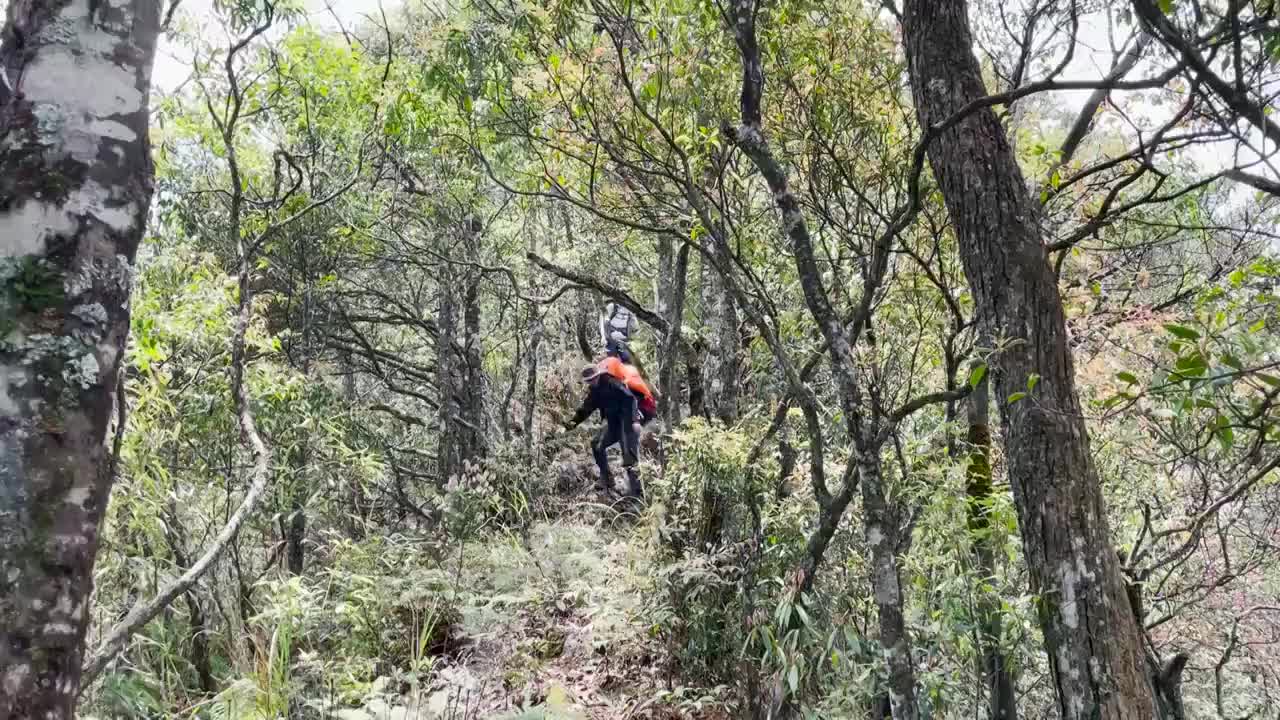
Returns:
<point x="584" y="331"/>
<point x="673" y="274"/>
<point x="1001" y="697"/>
<point x="720" y="315"/>
<point x="450" y="449"/>
<point x="536" y="330"/>
<point x="693" y="374"/>
<point x="882" y="529"/>
<point x="474" y="382"/>
<point x="359" y="499"/>
<point x="75" y="185"/>
<point x="1092" y="640"/>
<point x="882" y="526"/>
<point x="297" y="530"/>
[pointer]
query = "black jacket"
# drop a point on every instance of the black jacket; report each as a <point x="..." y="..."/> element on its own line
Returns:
<point x="611" y="398"/>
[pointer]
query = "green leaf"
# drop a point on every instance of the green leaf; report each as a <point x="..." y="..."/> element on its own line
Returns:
<point x="1223" y="432"/>
<point x="976" y="375"/>
<point x="1016" y="397"/>
<point x="1032" y="380"/>
<point x="1271" y="380"/>
<point x="1166" y="7"/>
<point x="1226" y="438"/>
<point x="1182" y="331"/>
<point x="1272" y="44"/>
<point x="1128" y="377"/>
<point x="793" y="678"/>
<point x="1115" y="400"/>
<point x="1192" y="365"/>
<point x="554" y="61"/>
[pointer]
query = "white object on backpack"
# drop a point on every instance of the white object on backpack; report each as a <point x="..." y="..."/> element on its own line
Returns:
<point x="617" y="323"/>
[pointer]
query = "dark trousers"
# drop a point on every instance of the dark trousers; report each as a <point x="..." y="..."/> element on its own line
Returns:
<point x="618" y="431"/>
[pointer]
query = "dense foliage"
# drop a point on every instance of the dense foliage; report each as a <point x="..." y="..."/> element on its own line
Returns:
<point x="385" y="242"/>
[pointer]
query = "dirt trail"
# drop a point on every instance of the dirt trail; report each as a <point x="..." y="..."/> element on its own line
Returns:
<point x="550" y="628"/>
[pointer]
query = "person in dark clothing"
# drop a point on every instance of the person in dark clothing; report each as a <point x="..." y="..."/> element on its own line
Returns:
<point x="620" y="410"/>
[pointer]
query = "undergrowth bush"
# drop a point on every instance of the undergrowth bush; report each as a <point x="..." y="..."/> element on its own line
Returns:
<point x="723" y="542"/>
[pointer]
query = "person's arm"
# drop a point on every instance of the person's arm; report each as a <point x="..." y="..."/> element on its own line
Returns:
<point x="633" y="405"/>
<point x="584" y="411"/>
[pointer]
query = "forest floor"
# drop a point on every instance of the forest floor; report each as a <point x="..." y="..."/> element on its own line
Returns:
<point x="551" y="624"/>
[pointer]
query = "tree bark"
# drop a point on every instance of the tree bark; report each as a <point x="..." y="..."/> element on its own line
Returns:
<point x="1092" y="641"/>
<point x="1001" y="696"/>
<point x="297" y="531"/>
<point x="720" y="315"/>
<point x="583" y="330"/>
<point x="537" y="329"/>
<point x="475" y="382"/>
<point x="673" y="273"/>
<point x="75" y="185"/>
<point x="450" y="450"/>
<point x="882" y="529"/>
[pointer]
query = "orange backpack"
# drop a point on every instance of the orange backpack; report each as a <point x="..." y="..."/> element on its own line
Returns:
<point x="628" y="374"/>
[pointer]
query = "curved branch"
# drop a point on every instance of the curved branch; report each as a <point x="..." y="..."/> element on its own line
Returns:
<point x="260" y="472"/>
<point x="1239" y="102"/>
<point x="624" y="298"/>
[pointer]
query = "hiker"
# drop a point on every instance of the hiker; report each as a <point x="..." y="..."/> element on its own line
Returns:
<point x="620" y="368"/>
<point x="617" y="323"/>
<point x="619" y="408"/>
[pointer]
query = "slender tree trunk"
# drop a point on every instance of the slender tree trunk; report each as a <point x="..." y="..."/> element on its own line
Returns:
<point x="536" y="330"/>
<point x="882" y="529"/>
<point x="1001" y="697"/>
<point x="1093" y="644"/>
<point x="450" y="450"/>
<point x="475" y="382"/>
<point x="720" y="315"/>
<point x="673" y="274"/>
<point x="297" y="529"/>
<point x="584" y="329"/>
<point x="359" y="499"/>
<point x="664" y="304"/>
<point x="299" y="486"/>
<point x="75" y="185"/>
<point x="693" y="374"/>
<point x="881" y="523"/>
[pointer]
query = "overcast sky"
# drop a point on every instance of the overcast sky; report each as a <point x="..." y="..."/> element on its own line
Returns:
<point x="1092" y="60"/>
<point x="173" y="62"/>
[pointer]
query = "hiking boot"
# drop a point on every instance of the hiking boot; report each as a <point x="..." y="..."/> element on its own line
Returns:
<point x="604" y="485"/>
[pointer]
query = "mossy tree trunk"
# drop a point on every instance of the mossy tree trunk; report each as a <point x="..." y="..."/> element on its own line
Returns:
<point x="75" y="185"/>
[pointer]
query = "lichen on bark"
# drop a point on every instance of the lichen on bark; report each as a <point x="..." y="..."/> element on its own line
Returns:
<point x="75" y="182"/>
